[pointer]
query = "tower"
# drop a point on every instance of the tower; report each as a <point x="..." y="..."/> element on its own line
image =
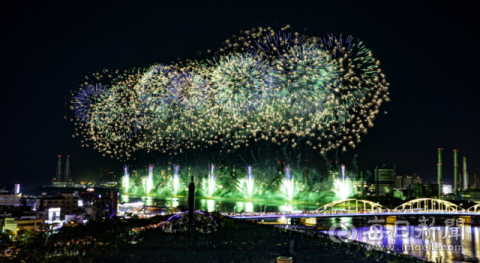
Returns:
<point x="455" y="172"/>
<point x="67" y="169"/>
<point x="465" y="175"/>
<point x="439" y="168"/>
<point x="59" y="168"/>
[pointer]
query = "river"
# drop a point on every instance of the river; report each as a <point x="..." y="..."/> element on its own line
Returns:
<point x="221" y="204"/>
<point x="457" y="243"/>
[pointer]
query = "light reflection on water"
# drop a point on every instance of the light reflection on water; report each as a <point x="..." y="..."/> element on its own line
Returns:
<point x="439" y="243"/>
<point x="221" y="205"/>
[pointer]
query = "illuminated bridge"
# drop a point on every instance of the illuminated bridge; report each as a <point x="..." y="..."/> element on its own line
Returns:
<point x="365" y="208"/>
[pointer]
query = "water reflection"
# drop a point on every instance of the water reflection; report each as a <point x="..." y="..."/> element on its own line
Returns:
<point x="221" y="205"/>
<point x="285" y="208"/>
<point x="147" y="200"/>
<point x="249" y="207"/>
<point x="429" y="243"/>
<point x="174" y="202"/>
<point x="211" y="206"/>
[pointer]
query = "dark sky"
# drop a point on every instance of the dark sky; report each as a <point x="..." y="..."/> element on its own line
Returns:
<point x="429" y="52"/>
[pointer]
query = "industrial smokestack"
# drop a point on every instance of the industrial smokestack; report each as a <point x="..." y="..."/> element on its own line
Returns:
<point x="59" y="168"/>
<point x="465" y="175"/>
<point x="439" y="168"/>
<point x="455" y="172"/>
<point x="67" y="169"/>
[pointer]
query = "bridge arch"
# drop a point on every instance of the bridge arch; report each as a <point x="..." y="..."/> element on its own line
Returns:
<point x="357" y="204"/>
<point x="429" y="204"/>
<point x="474" y="208"/>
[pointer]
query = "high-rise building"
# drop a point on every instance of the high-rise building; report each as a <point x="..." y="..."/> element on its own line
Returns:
<point x="384" y="180"/>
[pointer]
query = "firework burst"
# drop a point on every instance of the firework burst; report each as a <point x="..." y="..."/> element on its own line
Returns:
<point x="263" y="86"/>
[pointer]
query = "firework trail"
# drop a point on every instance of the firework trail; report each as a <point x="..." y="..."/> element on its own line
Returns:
<point x="126" y="179"/>
<point x="176" y="179"/>
<point x="247" y="185"/>
<point x="343" y="187"/>
<point x="288" y="185"/>
<point x="150" y="178"/>
<point x="210" y="183"/>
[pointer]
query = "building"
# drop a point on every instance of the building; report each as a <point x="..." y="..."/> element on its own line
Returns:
<point x="9" y="202"/>
<point x="471" y="194"/>
<point x="397" y="184"/>
<point x="6" y="199"/>
<point x="406" y="181"/>
<point x="109" y="185"/>
<point x="103" y="206"/>
<point x="67" y="202"/>
<point x="16" y="224"/>
<point x="384" y="180"/>
<point x="63" y="184"/>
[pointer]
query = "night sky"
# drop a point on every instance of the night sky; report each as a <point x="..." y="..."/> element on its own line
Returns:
<point x="428" y="51"/>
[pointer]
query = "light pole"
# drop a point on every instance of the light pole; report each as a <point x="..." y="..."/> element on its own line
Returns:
<point x="234" y="209"/>
<point x="265" y="210"/>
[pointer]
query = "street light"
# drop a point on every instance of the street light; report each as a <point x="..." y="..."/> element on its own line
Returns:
<point x="265" y="210"/>
<point x="234" y="209"/>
